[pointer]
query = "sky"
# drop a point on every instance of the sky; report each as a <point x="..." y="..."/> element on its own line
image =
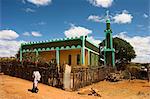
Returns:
<point x="36" y="20"/>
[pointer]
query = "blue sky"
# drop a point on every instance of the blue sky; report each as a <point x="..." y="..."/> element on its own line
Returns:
<point x="34" y="21"/>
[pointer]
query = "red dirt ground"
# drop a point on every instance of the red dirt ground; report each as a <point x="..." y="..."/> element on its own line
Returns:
<point x="16" y="88"/>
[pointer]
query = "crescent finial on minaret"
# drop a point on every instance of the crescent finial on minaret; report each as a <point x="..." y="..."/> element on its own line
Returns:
<point x="107" y="17"/>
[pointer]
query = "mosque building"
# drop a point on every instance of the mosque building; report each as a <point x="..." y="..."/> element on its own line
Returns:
<point x="77" y="51"/>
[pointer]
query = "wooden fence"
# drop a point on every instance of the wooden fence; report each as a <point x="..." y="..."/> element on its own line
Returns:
<point x="80" y="77"/>
<point x="49" y="75"/>
<point x="86" y="76"/>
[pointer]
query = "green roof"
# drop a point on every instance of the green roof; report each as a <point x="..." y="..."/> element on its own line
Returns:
<point x="65" y="43"/>
<point x="53" y="40"/>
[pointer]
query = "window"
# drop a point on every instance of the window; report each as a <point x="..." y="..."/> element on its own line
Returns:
<point x="69" y="60"/>
<point x="78" y="59"/>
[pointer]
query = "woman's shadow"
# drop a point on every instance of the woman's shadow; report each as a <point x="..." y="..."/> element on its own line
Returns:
<point x="30" y="90"/>
<point x="33" y="91"/>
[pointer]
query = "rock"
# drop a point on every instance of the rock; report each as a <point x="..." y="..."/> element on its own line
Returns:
<point x="92" y="92"/>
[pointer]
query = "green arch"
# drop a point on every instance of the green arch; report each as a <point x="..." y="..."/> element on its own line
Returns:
<point x="43" y="49"/>
<point x="52" y="48"/>
<point x="67" y="47"/>
<point x="79" y="46"/>
<point x="62" y="47"/>
<point x="39" y="49"/>
<point x="48" y="49"/>
<point x="57" y="48"/>
<point x="24" y="50"/>
<point x="73" y="46"/>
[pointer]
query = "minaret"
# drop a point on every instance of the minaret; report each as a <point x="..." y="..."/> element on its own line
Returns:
<point x="109" y="55"/>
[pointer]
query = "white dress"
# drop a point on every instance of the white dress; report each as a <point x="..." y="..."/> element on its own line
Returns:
<point x="37" y="77"/>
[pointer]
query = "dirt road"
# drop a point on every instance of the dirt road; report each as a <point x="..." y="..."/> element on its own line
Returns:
<point x="16" y="88"/>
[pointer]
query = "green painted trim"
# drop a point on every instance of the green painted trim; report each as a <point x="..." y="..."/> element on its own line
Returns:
<point x="83" y="51"/>
<point x="89" y="58"/>
<point x="67" y="47"/>
<point x="108" y="21"/>
<point x="105" y="58"/>
<point x="79" y="46"/>
<point x="53" y="40"/>
<point x="37" y="54"/>
<point x="34" y="50"/>
<point x="50" y="49"/>
<point x="39" y="49"/>
<point x="113" y="59"/>
<point x="105" y="38"/>
<point x="106" y="49"/>
<point x="43" y="49"/>
<point x="94" y="57"/>
<point x="108" y="31"/>
<point x="57" y="48"/>
<point x="24" y="50"/>
<point x="62" y="48"/>
<point x="111" y="41"/>
<point x="21" y="53"/>
<point x="92" y="51"/>
<point x="27" y="50"/>
<point x="97" y="60"/>
<point x="70" y="48"/>
<point x="73" y="47"/>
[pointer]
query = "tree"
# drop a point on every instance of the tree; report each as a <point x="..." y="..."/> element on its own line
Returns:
<point x="124" y="52"/>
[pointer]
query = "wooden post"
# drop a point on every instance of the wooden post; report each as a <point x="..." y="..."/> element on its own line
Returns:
<point x="86" y="75"/>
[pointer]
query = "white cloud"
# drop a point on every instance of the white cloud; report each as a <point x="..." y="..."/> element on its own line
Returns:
<point x="8" y="34"/>
<point x="29" y="10"/>
<point x="40" y="2"/>
<point x="26" y="34"/>
<point x="33" y="33"/>
<point x="8" y="45"/>
<point x="101" y="3"/>
<point x="123" y="18"/>
<point x="77" y="31"/>
<point x="36" y="34"/>
<point x="96" y="18"/>
<point x="145" y="15"/>
<point x="97" y="42"/>
<point x="141" y="45"/>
